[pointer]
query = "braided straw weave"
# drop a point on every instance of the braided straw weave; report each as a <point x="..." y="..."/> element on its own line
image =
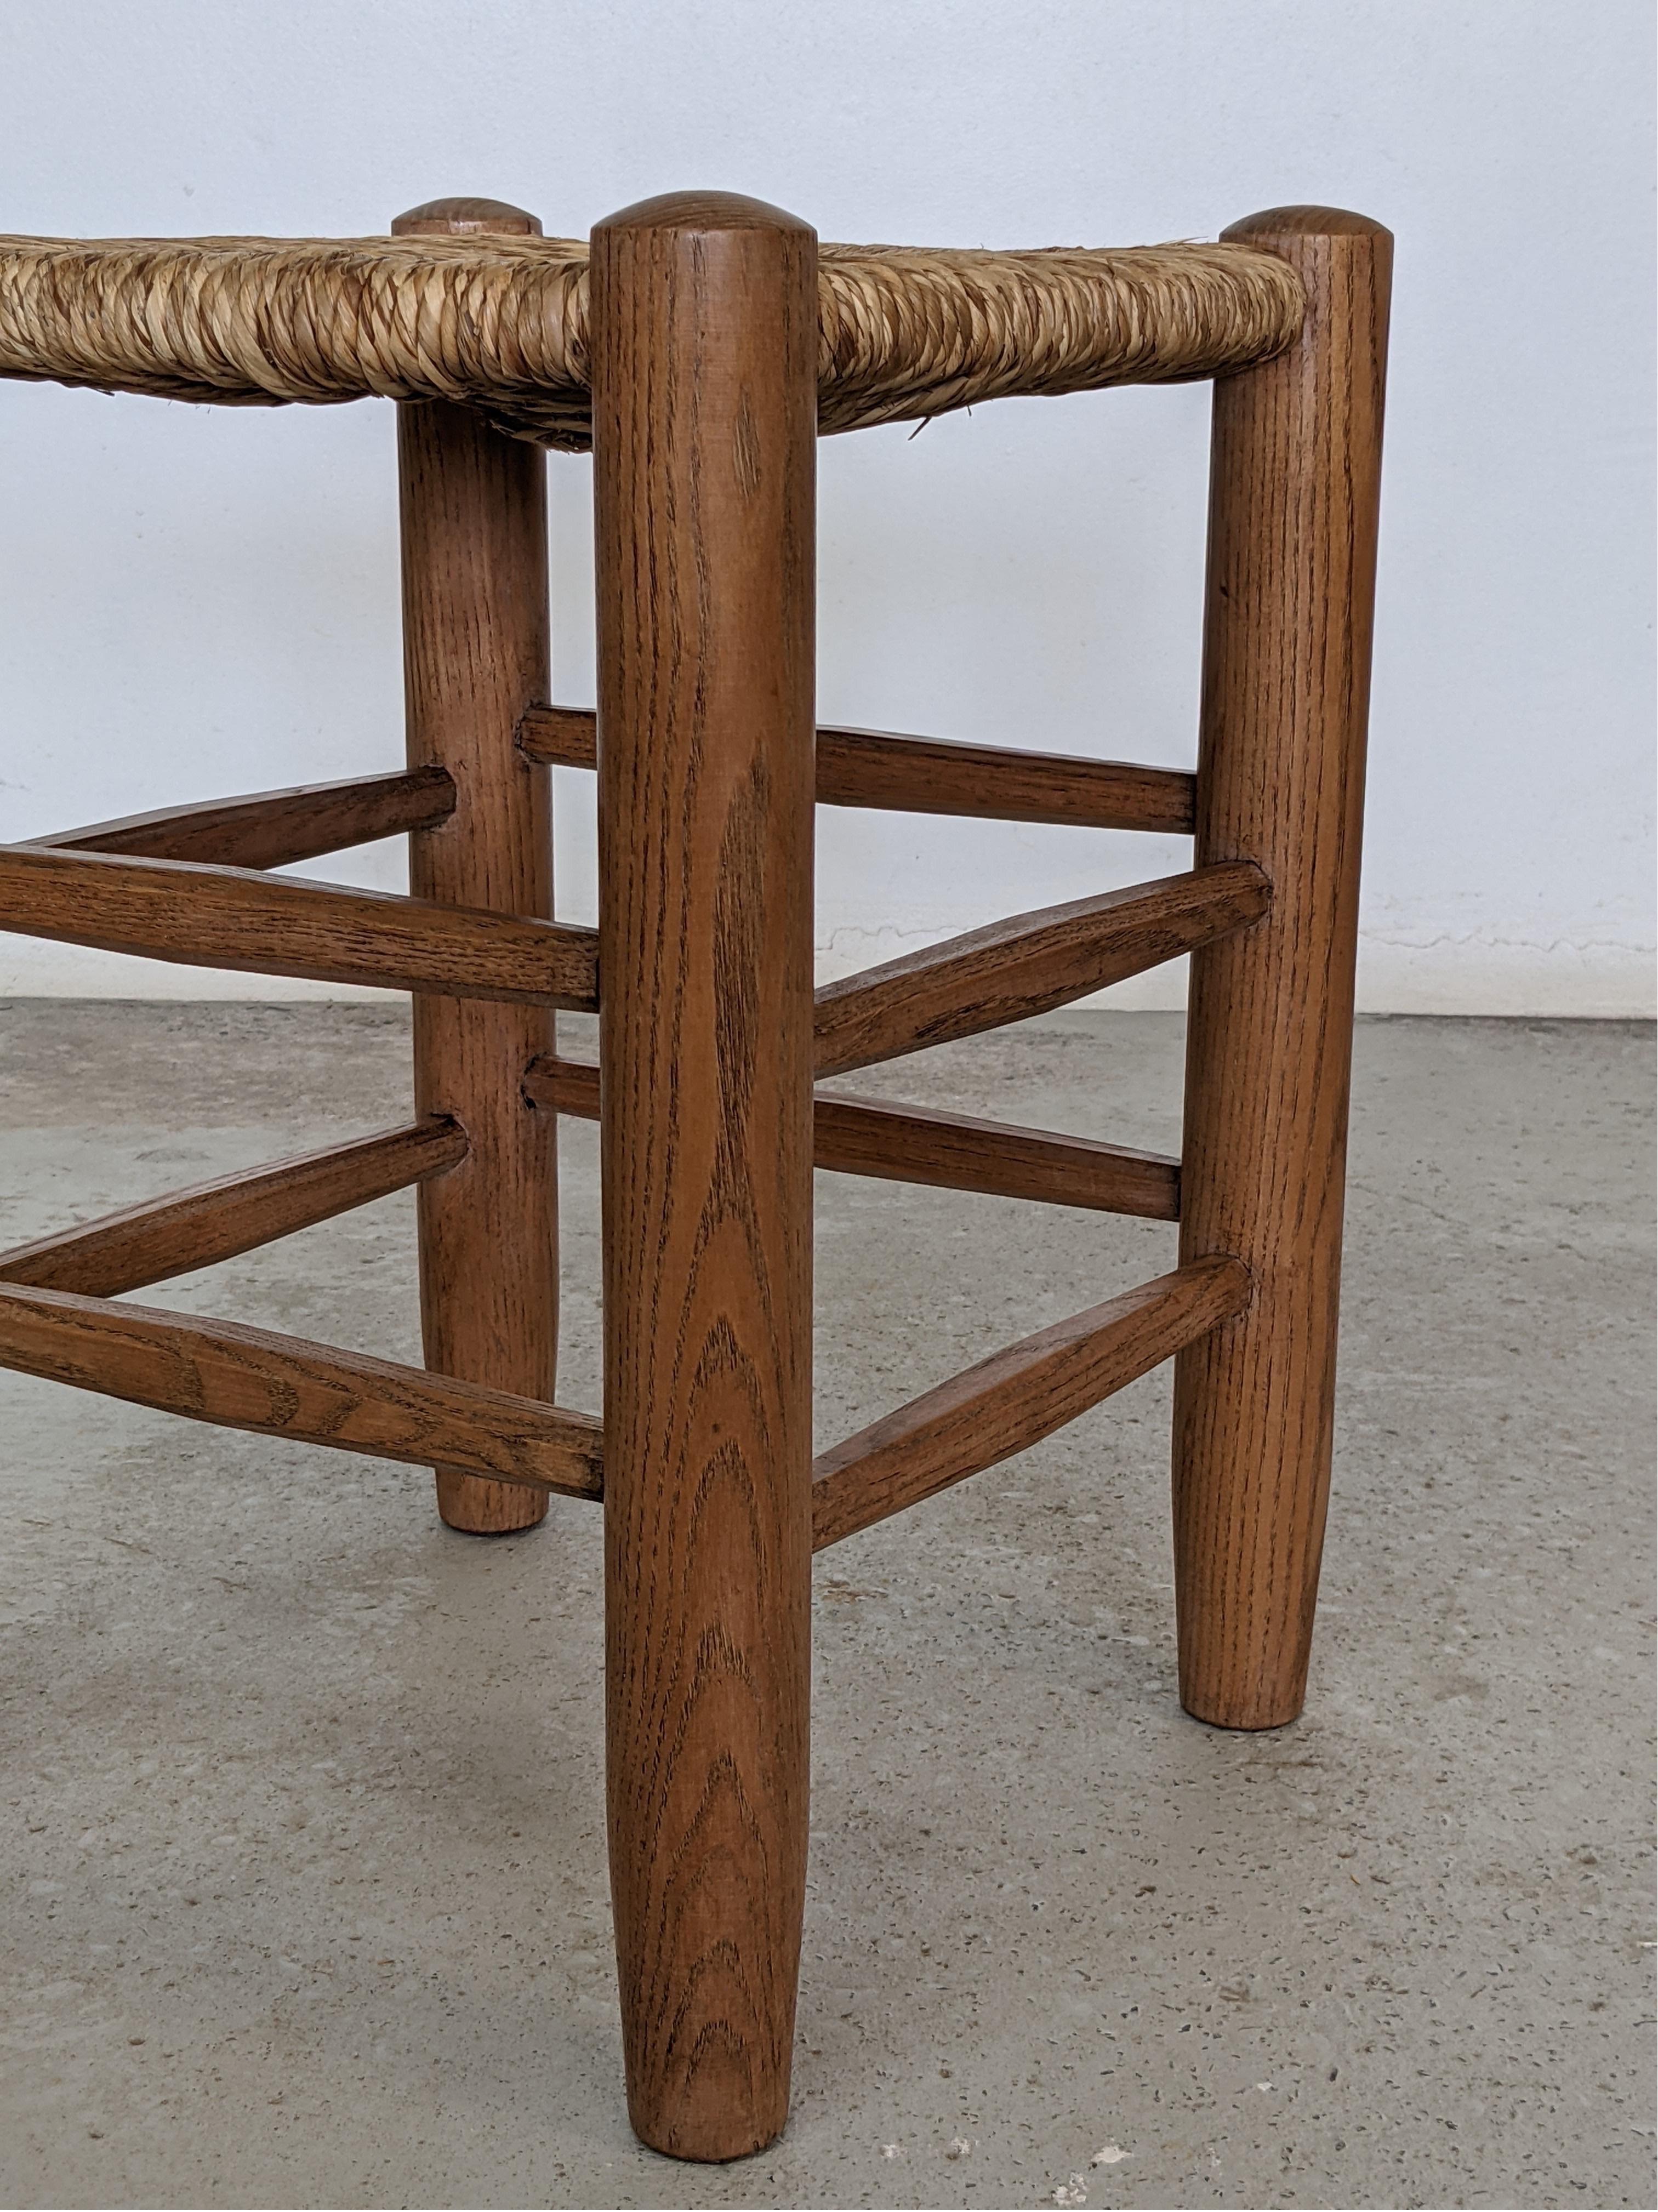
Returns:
<point x="499" y="323"/>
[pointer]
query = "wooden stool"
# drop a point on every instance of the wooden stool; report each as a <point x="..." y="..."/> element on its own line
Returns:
<point x="702" y="345"/>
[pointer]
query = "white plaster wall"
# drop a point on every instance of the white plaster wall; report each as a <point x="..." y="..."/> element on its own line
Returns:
<point x="196" y="602"/>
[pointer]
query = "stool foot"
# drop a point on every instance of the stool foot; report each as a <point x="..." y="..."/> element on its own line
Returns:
<point x="473" y="1508"/>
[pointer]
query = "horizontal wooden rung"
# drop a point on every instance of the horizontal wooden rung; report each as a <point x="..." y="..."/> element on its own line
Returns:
<point x="1018" y="1396"/>
<point x="951" y="1151"/>
<point x="273" y="828"/>
<point x="1029" y="964"/>
<point x="214" y="1221"/>
<point x="237" y="918"/>
<point x="560" y="737"/>
<point x="954" y="1151"/>
<point x="938" y="776"/>
<point x="282" y="1386"/>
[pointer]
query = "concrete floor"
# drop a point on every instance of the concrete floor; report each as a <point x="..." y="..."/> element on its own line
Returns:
<point x="306" y="1900"/>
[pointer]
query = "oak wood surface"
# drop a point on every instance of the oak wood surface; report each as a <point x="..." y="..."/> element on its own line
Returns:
<point x="956" y="1152"/>
<point x="459" y="214"/>
<point x="1292" y="531"/>
<point x="269" y="925"/>
<point x="931" y="776"/>
<point x="477" y="631"/>
<point x="951" y="1151"/>
<point x="560" y="737"/>
<point x="282" y="1386"/>
<point x="273" y="828"/>
<point x="935" y="775"/>
<point x="1017" y="1396"/>
<point x="1029" y="964"/>
<point x="213" y="1221"/>
<point x="704" y="337"/>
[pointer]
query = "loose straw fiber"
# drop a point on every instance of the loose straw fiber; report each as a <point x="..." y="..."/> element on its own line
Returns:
<point x="499" y="323"/>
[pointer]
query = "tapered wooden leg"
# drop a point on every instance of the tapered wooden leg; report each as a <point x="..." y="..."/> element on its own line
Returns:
<point x="704" y="345"/>
<point x="1281" y="781"/>
<point x="476" y="655"/>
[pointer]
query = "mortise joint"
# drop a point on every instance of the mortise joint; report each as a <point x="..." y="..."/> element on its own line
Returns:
<point x="452" y="1120"/>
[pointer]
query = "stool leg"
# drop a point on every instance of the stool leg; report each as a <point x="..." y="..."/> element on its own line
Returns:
<point x="1292" y="526"/>
<point x="704" y="365"/>
<point x="475" y="654"/>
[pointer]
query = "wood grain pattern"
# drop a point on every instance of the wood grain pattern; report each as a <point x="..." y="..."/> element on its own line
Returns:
<point x="1029" y="964"/>
<point x="1016" y="1397"/>
<point x="949" y="1152"/>
<point x="477" y="632"/>
<point x="214" y="1221"/>
<point x="273" y="828"/>
<point x="955" y="1152"/>
<point x="560" y="737"/>
<point x="935" y="775"/>
<point x="236" y="918"/>
<point x="1292" y="533"/>
<point x="460" y="215"/>
<point x="704" y="335"/>
<point x="282" y="1386"/>
<point x="476" y="646"/>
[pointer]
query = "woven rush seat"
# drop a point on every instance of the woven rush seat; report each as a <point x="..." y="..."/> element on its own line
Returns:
<point x="499" y="323"/>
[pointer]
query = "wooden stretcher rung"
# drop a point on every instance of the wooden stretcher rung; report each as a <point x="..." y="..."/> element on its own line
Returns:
<point x="274" y="829"/>
<point x="1018" y="1396"/>
<point x="937" y="776"/>
<point x="949" y="1152"/>
<point x="237" y="918"/>
<point x="214" y="1221"/>
<point x="283" y="1386"/>
<point x="1029" y="964"/>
